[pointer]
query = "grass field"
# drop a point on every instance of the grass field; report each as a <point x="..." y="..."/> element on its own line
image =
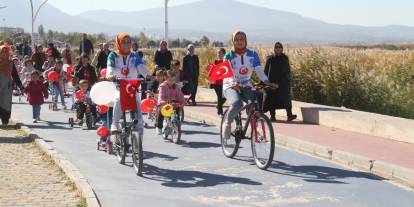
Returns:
<point x="373" y="80"/>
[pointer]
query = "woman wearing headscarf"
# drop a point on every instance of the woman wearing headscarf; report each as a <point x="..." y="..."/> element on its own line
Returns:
<point x="239" y="87"/>
<point x="162" y="57"/>
<point x="191" y="70"/>
<point x="122" y="63"/>
<point x="277" y="69"/>
<point x="39" y="58"/>
<point x="86" y="71"/>
<point x="8" y="75"/>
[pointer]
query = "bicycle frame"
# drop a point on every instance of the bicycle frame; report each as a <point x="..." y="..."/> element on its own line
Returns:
<point x="251" y="108"/>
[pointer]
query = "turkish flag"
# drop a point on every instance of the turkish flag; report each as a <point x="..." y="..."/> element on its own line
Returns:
<point x="220" y="71"/>
<point x="80" y="96"/>
<point x="128" y="94"/>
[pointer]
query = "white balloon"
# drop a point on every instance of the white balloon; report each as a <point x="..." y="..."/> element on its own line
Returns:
<point x="103" y="93"/>
<point x="65" y="67"/>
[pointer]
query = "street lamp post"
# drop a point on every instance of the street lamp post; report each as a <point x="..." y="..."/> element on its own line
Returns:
<point x="34" y="16"/>
<point x="4" y="20"/>
<point x="166" y="21"/>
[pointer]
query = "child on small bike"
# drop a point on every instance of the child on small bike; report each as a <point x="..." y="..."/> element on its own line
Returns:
<point x="83" y="102"/>
<point x="58" y="85"/>
<point x="169" y="91"/>
<point x="36" y="91"/>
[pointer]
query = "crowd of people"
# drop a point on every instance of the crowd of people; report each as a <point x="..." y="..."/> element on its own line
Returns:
<point x="26" y="70"/>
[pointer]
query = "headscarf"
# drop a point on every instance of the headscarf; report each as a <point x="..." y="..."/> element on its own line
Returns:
<point x="188" y="49"/>
<point x="5" y="60"/>
<point x="118" y="43"/>
<point x="239" y="50"/>
<point x="166" y="43"/>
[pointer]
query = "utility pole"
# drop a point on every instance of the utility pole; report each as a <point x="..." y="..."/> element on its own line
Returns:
<point x="34" y="16"/>
<point x="166" y="21"/>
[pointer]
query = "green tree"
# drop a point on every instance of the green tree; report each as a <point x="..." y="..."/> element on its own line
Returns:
<point x="175" y="43"/>
<point x="143" y="40"/>
<point x="204" y="41"/>
<point x="41" y="31"/>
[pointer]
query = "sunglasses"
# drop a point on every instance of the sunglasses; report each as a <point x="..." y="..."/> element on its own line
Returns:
<point x="126" y="42"/>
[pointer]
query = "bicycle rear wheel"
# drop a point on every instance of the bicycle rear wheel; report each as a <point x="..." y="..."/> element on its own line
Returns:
<point x="263" y="141"/>
<point x="229" y="146"/>
<point x="137" y="152"/>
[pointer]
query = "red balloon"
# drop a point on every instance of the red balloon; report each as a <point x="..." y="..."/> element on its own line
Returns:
<point x="102" y="109"/>
<point x="79" y="95"/>
<point x="70" y="69"/>
<point x="102" y="131"/>
<point x="103" y="73"/>
<point x="53" y="76"/>
<point x="148" y="104"/>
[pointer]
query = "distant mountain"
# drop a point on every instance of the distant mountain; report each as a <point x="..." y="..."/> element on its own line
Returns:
<point x="214" y="18"/>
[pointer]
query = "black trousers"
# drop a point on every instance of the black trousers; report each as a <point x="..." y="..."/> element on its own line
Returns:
<point x="288" y="112"/>
<point x="220" y="99"/>
<point x="81" y="109"/>
<point x="5" y="116"/>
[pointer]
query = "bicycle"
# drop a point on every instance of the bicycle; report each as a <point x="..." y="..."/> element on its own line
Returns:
<point x="261" y="134"/>
<point x="89" y="119"/>
<point x="173" y="124"/>
<point x="121" y="145"/>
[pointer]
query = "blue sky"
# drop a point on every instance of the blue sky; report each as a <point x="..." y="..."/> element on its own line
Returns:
<point x="358" y="12"/>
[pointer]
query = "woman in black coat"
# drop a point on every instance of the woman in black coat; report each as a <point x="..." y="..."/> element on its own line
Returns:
<point x="85" y="71"/>
<point x="277" y="69"/>
<point x="191" y="70"/>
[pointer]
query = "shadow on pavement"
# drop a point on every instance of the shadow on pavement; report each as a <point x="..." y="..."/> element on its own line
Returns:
<point x="49" y="125"/>
<point x="151" y="155"/>
<point x="190" y="132"/>
<point x="197" y="145"/>
<point x="318" y="174"/>
<point x="190" y="178"/>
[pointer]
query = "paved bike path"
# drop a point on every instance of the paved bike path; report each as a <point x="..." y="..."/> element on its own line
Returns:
<point x="195" y="173"/>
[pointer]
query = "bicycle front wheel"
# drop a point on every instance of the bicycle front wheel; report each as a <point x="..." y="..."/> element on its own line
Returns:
<point x="137" y="152"/>
<point x="120" y="147"/>
<point x="176" y="132"/>
<point x="229" y="145"/>
<point x="263" y="140"/>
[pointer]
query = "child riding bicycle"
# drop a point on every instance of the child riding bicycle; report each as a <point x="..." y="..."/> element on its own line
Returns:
<point x="169" y="91"/>
<point x="83" y="102"/>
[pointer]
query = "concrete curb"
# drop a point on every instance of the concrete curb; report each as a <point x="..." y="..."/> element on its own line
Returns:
<point x="68" y="168"/>
<point x="379" y="168"/>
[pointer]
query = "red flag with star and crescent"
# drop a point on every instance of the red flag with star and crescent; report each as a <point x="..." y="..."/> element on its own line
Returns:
<point x="220" y="71"/>
<point x="128" y="94"/>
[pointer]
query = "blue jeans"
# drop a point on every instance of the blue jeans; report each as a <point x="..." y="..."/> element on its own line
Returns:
<point x="107" y="118"/>
<point x="117" y="114"/>
<point x="58" y="90"/>
<point x="36" y="111"/>
<point x="235" y="98"/>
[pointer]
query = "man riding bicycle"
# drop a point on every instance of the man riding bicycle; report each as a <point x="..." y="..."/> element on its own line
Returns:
<point x="123" y="64"/>
<point x="239" y="87"/>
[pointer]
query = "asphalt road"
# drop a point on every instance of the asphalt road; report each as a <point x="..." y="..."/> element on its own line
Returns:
<point x="195" y="172"/>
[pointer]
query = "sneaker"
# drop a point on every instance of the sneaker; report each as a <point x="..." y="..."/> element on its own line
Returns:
<point x="115" y="128"/>
<point x="227" y="130"/>
<point x="64" y="107"/>
<point x="158" y="131"/>
<point x="38" y="118"/>
<point x="273" y="119"/>
<point x="34" y="120"/>
<point x="291" y="118"/>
